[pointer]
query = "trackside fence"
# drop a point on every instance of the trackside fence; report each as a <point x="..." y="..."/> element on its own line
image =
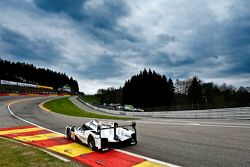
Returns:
<point x="222" y="113"/>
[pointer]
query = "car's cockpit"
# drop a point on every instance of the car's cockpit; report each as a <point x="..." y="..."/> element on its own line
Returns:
<point x="85" y="127"/>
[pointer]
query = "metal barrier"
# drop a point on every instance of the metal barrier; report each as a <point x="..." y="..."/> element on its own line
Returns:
<point x="222" y="113"/>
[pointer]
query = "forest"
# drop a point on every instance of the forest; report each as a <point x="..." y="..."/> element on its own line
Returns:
<point x="155" y="92"/>
<point x="28" y="73"/>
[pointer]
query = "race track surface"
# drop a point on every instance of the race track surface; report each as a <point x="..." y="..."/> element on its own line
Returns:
<point x="181" y="142"/>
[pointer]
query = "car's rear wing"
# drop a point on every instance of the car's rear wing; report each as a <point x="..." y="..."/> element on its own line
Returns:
<point x="99" y="128"/>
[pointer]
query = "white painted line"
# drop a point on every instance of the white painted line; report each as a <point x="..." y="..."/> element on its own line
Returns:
<point x="201" y="122"/>
<point x="24" y="119"/>
<point x="196" y="124"/>
<point x="136" y="155"/>
<point x="228" y="126"/>
<point x="56" y="156"/>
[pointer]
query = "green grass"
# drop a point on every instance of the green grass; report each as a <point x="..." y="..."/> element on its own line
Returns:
<point x="92" y="99"/>
<point x="14" y="154"/>
<point x="66" y="107"/>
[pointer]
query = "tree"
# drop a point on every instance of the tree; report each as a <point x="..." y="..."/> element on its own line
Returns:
<point x="171" y="91"/>
<point x="110" y="95"/>
<point x="28" y="73"/>
<point x="148" y="89"/>
<point x="195" y="92"/>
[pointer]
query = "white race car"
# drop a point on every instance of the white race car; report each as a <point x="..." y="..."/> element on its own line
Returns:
<point x="101" y="136"/>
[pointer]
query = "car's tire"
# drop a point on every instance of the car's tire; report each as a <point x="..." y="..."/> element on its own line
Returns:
<point x="91" y="143"/>
<point x="68" y="134"/>
<point x="134" y="143"/>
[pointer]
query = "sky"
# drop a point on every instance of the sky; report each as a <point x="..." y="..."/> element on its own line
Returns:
<point x="102" y="43"/>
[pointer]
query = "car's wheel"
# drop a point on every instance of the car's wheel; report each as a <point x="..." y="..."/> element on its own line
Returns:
<point x="68" y="134"/>
<point x="133" y="143"/>
<point x="91" y="142"/>
<point x="133" y="139"/>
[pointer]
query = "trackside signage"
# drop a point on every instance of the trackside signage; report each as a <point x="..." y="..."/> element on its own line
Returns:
<point x="5" y="82"/>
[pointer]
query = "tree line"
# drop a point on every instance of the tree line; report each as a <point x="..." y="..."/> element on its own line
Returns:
<point x="152" y="91"/>
<point x="28" y="73"/>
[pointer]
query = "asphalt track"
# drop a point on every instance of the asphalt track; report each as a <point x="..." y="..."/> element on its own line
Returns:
<point x="180" y="142"/>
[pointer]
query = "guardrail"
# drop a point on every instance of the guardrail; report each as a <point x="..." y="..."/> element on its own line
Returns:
<point x="223" y="113"/>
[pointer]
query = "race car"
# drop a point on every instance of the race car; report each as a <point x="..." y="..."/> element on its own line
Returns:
<point x="102" y="136"/>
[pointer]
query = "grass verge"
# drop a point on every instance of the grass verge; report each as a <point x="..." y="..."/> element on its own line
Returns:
<point x="92" y="99"/>
<point x="14" y="154"/>
<point x="66" y="107"/>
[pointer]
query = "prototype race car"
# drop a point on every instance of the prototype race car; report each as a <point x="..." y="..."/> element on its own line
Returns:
<point x="102" y="136"/>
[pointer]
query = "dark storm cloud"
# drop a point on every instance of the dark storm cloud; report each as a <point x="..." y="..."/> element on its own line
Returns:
<point x="99" y="18"/>
<point x="103" y="16"/>
<point x="163" y="59"/>
<point x="239" y="43"/>
<point x="25" y="49"/>
<point x="110" y="37"/>
<point x="69" y="7"/>
<point x="226" y="42"/>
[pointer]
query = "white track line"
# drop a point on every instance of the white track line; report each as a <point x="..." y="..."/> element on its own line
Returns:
<point x="202" y="122"/>
<point x="126" y="152"/>
<point x="52" y="154"/>
<point x="24" y="119"/>
<point x="196" y="124"/>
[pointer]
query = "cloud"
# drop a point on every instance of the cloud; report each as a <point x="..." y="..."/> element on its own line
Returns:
<point x="104" y="14"/>
<point x="21" y="47"/>
<point x="74" y="9"/>
<point x="104" y="68"/>
<point x="102" y="43"/>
